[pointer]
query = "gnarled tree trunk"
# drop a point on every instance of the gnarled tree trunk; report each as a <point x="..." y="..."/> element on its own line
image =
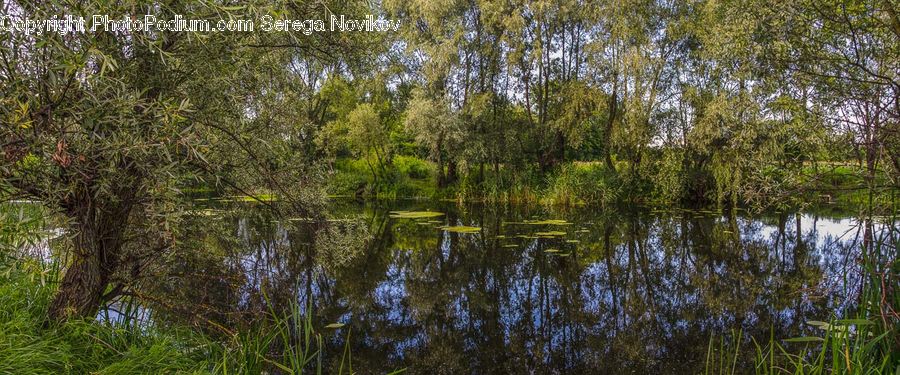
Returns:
<point x="81" y="289"/>
<point x="99" y="233"/>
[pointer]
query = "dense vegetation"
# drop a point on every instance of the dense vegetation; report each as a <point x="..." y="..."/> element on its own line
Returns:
<point x="754" y="103"/>
<point x="705" y="102"/>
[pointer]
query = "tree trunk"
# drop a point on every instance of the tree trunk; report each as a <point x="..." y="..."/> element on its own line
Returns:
<point x="97" y="246"/>
<point x="481" y="172"/>
<point x="81" y="289"/>
<point x="607" y="131"/>
<point x="560" y="147"/>
<point x="451" y="172"/>
<point x="871" y="160"/>
<point x="374" y="173"/>
<point x="441" y="180"/>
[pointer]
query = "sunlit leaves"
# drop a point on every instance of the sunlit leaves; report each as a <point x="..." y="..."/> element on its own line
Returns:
<point x="433" y="125"/>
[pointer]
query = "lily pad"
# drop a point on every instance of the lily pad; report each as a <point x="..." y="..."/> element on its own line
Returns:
<point x="335" y="325"/>
<point x="551" y="251"/>
<point x="550" y="234"/>
<point x="538" y="222"/>
<point x="548" y="222"/>
<point x="461" y="229"/>
<point x="414" y="214"/>
<point x="853" y="322"/>
<point x="572" y="241"/>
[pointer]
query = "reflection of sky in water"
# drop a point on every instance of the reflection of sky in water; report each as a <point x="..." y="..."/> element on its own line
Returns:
<point x="823" y="228"/>
<point x="667" y="284"/>
<point x="391" y="292"/>
<point x="653" y="291"/>
<point x="121" y="313"/>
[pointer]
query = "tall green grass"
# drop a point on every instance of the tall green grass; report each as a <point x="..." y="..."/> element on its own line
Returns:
<point x="569" y="185"/>
<point x="575" y="183"/>
<point x="282" y="342"/>
<point x="863" y="340"/>
<point x="31" y="346"/>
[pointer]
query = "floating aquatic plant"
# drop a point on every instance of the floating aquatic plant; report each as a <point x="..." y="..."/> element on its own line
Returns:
<point x="461" y="229"/>
<point x="414" y="214"/>
<point x="548" y="222"/>
<point x="538" y="222"/>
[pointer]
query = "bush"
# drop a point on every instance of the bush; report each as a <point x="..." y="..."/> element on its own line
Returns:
<point x="582" y="183"/>
<point x="413" y="167"/>
<point x="669" y="180"/>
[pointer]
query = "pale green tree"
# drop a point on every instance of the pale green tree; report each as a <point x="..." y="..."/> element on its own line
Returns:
<point x="369" y="138"/>
<point x="436" y="127"/>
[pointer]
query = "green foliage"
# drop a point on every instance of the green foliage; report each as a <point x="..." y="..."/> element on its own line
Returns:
<point x="582" y="183"/>
<point x="414" y="168"/>
<point x="80" y="347"/>
<point x="433" y="126"/>
<point x="670" y="181"/>
<point x="702" y="92"/>
<point x="407" y="177"/>
<point x="724" y="102"/>
<point x="127" y="346"/>
<point x="106" y="127"/>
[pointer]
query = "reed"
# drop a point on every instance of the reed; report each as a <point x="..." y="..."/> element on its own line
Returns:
<point x="862" y="340"/>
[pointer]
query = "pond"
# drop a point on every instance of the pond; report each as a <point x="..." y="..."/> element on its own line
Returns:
<point x="441" y="288"/>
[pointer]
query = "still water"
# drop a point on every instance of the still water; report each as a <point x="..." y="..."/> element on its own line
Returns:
<point x="441" y="288"/>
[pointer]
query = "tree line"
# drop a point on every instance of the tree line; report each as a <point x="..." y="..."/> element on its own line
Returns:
<point x="703" y="100"/>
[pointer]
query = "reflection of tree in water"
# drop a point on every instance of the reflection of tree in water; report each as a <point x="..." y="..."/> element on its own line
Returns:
<point x="235" y="266"/>
<point x="639" y="291"/>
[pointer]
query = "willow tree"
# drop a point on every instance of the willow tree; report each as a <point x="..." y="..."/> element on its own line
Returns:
<point x="850" y="52"/>
<point x="547" y="56"/>
<point x="105" y="127"/>
<point x="776" y="79"/>
<point x="431" y="122"/>
<point x="369" y="138"/>
<point x="431" y="38"/>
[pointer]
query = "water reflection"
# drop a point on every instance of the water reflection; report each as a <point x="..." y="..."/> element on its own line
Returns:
<point x="638" y="290"/>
